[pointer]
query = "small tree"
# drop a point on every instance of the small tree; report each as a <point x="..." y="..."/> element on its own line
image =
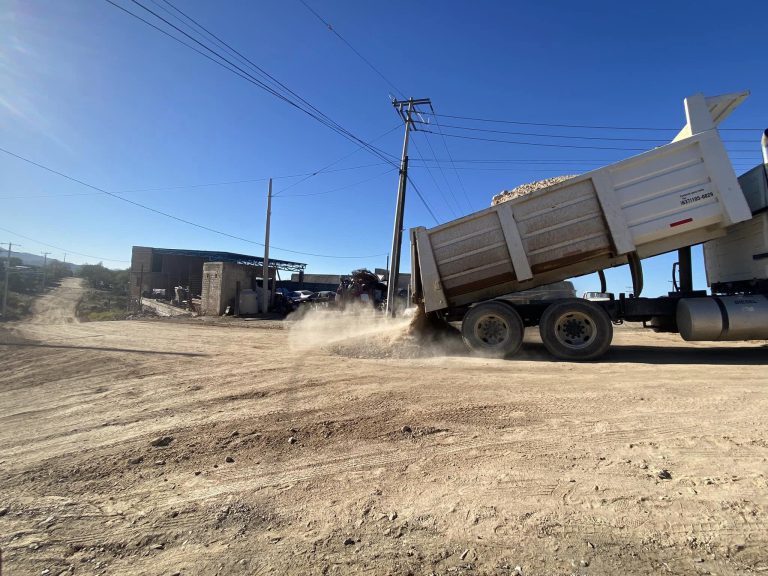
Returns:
<point x="97" y="276"/>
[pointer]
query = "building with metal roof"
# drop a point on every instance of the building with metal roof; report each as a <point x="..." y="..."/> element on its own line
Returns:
<point x="166" y="268"/>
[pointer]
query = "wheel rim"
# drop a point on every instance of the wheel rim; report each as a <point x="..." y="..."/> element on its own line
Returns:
<point x="575" y="330"/>
<point x="492" y="330"/>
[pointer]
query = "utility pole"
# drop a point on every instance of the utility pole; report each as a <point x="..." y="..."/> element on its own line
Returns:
<point x="45" y="262"/>
<point x="7" y="277"/>
<point x="406" y="113"/>
<point x="265" y="275"/>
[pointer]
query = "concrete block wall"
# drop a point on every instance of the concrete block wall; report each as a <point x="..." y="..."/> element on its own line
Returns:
<point x="164" y="271"/>
<point x="210" y="304"/>
<point x="141" y="258"/>
<point x="220" y="285"/>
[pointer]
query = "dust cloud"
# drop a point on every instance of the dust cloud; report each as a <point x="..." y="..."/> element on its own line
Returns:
<point x="360" y="332"/>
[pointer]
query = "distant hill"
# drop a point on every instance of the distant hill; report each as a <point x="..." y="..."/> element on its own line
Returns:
<point x="35" y="259"/>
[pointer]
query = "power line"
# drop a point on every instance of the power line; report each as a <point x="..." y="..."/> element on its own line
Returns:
<point x="569" y="136"/>
<point x="65" y="250"/>
<point x="388" y="171"/>
<point x="325" y="168"/>
<point x="551" y="145"/>
<point x="402" y="94"/>
<point x="433" y="162"/>
<point x="592" y="127"/>
<point x="423" y="201"/>
<point x="313" y="112"/>
<point x="188" y="186"/>
<point x="442" y="172"/>
<point x="363" y="58"/>
<point x="437" y="186"/>
<point x="547" y="145"/>
<point x="274" y="89"/>
<point x="531" y="160"/>
<point x="171" y="216"/>
<point x="450" y="156"/>
<point x="524" y="169"/>
<point x="250" y="180"/>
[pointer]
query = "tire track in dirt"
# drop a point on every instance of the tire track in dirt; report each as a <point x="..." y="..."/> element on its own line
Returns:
<point x="518" y="462"/>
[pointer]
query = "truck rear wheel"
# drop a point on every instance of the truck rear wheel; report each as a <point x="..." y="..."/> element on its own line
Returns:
<point x="492" y="329"/>
<point x="576" y="330"/>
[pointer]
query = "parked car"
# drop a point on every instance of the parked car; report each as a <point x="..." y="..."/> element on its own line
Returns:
<point x="301" y="296"/>
<point x="324" y="298"/>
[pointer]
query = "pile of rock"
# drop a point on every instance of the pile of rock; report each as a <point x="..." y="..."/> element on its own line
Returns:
<point x="524" y="189"/>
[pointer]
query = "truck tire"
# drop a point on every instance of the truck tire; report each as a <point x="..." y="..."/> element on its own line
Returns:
<point x="492" y="329"/>
<point x="576" y="330"/>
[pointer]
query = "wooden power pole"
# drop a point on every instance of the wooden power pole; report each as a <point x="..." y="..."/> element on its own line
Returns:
<point x="7" y="277"/>
<point x="45" y="264"/>
<point x="265" y="274"/>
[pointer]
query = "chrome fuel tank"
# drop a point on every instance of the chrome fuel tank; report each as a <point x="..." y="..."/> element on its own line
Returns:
<point x="723" y="318"/>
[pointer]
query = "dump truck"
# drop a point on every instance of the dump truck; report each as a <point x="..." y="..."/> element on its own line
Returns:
<point x="670" y="198"/>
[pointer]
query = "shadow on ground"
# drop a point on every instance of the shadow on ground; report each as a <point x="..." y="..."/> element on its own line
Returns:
<point x="99" y="349"/>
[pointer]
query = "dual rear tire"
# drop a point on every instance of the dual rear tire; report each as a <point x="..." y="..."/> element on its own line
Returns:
<point x="570" y="330"/>
<point x="576" y="330"/>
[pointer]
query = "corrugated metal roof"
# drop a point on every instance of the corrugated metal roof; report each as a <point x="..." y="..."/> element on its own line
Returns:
<point x="212" y="256"/>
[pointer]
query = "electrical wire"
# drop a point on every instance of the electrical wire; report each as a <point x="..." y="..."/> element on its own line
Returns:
<point x="591" y="127"/>
<point x="544" y="144"/>
<point x="551" y="145"/>
<point x="177" y="218"/>
<point x="535" y="160"/>
<point x="339" y="189"/>
<point x="323" y="118"/>
<point x="402" y="94"/>
<point x="189" y="186"/>
<point x="363" y="58"/>
<point x="442" y="172"/>
<point x="250" y="180"/>
<point x="325" y="168"/>
<point x="434" y="180"/>
<point x="423" y="201"/>
<point x="450" y="156"/>
<point x="313" y="111"/>
<point x="539" y="134"/>
<point x="65" y="250"/>
<point x="255" y="67"/>
<point x="571" y="137"/>
<point x="523" y="169"/>
<point x="303" y="105"/>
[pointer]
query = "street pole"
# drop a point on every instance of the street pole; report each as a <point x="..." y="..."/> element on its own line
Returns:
<point x="397" y="234"/>
<point x="265" y="275"/>
<point x="141" y="286"/>
<point x="45" y="262"/>
<point x="7" y="277"/>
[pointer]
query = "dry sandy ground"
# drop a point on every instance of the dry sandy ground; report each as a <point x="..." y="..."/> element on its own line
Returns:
<point x="348" y="458"/>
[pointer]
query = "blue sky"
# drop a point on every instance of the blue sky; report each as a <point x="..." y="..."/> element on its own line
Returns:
<point x="91" y="92"/>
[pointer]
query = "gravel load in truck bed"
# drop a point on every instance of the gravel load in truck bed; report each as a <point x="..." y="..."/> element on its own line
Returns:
<point x="524" y="189"/>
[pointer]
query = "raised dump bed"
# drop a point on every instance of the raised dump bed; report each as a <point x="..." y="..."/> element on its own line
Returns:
<point x="674" y="196"/>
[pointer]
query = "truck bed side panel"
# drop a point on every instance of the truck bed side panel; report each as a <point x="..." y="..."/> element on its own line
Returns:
<point x="676" y="195"/>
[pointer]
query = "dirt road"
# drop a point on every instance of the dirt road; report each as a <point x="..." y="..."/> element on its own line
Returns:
<point x="59" y="306"/>
<point x="293" y="451"/>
